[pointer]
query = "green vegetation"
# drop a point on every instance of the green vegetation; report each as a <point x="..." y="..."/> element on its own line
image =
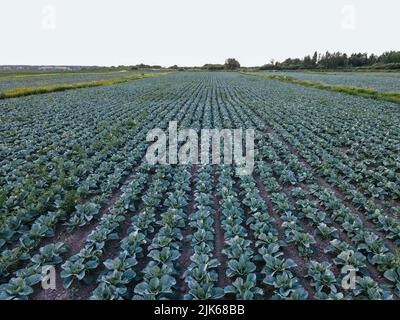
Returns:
<point x="363" y="92"/>
<point x="20" y="92"/>
<point x="389" y="60"/>
<point x="230" y="65"/>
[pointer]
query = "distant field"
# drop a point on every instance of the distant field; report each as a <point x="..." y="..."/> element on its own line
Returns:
<point x="380" y="81"/>
<point x="46" y="79"/>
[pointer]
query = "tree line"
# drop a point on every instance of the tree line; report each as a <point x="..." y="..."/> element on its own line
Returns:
<point x="230" y="64"/>
<point x="337" y="60"/>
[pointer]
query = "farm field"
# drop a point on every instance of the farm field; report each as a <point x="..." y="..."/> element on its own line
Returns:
<point x="9" y="82"/>
<point x="77" y="193"/>
<point x="380" y="81"/>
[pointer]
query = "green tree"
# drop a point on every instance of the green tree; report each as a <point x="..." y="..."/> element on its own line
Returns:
<point x="315" y="59"/>
<point x="231" y="64"/>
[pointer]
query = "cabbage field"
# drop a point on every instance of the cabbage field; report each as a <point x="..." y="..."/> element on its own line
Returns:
<point x="319" y="217"/>
<point x="380" y="81"/>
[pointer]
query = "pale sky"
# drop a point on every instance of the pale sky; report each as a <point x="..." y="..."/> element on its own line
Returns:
<point x="191" y="32"/>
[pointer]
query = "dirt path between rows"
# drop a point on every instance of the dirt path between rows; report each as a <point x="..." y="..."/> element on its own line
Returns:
<point x="290" y="251"/>
<point x="223" y="280"/>
<point x="184" y="259"/>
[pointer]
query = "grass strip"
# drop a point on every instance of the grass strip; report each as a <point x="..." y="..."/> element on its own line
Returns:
<point x="27" y="91"/>
<point x="356" y="91"/>
<point x="355" y="73"/>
